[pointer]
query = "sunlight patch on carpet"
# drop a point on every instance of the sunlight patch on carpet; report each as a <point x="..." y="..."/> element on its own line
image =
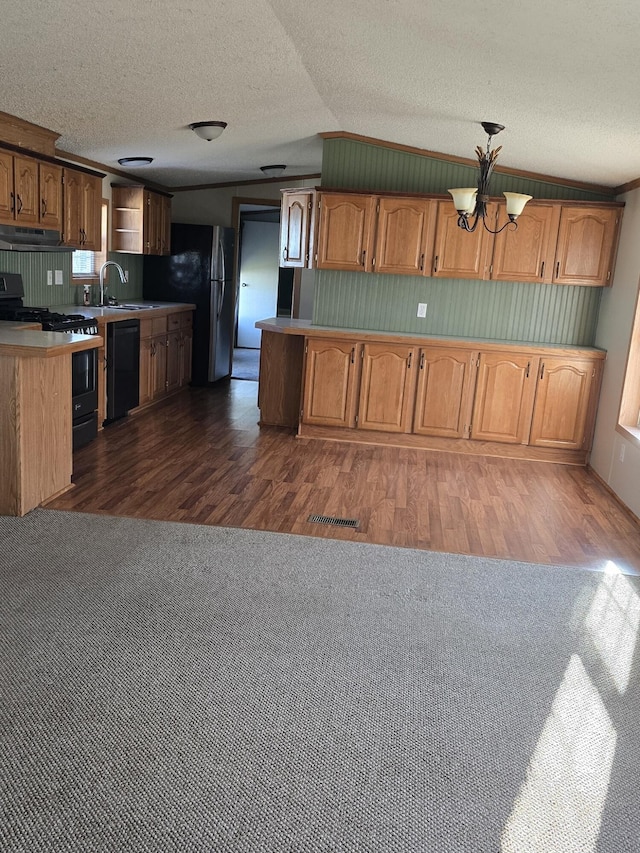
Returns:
<point x="560" y="804"/>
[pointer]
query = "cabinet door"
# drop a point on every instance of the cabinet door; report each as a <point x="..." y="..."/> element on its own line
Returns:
<point x="504" y="397"/>
<point x="404" y="238"/>
<point x="345" y="232"/>
<point x="147" y="373"/>
<point x="27" y="197"/>
<point x="186" y="347"/>
<point x="7" y="198"/>
<point x="296" y="229"/>
<point x="159" y="365"/>
<point x="445" y="388"/>
<point x="72" y="208"/>
<point x="173" y="361"/>
<point x="586" y="242"/>
<point x="457" y="253"/>
<point x="562" y="402"/>
<point x="165" y="225"/>
<point x="387" y="387"/>
<point x="50" y="195"/>
<point x="330" y="383"/>
<point x="526" y="253"/>
<point x="91" y="213"/>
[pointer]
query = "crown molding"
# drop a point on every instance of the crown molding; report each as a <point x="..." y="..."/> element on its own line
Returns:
<point x="224" y="184"/>
<point x="94" y="164"/>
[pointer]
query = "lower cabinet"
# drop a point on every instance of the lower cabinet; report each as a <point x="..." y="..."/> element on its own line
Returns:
<point x="499" y="397"/>
<point x="165" y="355"/>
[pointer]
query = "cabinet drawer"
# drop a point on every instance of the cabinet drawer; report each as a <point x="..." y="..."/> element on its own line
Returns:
<point x="158" y="325"/>
<point x="173" y="322"/>
<point x="186" y="320"/>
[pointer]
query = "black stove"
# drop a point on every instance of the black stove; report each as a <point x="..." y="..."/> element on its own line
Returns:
<point x="11" y="308"/>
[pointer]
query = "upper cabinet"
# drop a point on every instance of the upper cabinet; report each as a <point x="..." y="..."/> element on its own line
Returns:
<point x="587" y="241"/>
<point x="297" y="228"/>
<point x="82" y="204"/>
<point x="555" y="242"/>
<point x="30" y="192"/>
<point x="141" y="221"/>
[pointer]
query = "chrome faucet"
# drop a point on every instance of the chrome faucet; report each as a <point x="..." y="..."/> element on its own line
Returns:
<point x="101" y="277"/>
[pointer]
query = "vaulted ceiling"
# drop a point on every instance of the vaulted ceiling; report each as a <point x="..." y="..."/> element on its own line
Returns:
<point x="121" y="78"/>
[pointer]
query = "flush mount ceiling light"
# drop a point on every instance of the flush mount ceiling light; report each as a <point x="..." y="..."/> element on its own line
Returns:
<point x="135" y="161"/>
<point x="208" y="129"/>
<point x="273" y="171"/>
<point x="470" y="201"/>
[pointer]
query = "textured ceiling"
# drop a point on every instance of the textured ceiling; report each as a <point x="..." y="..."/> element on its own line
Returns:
<point x="120" y="79"/>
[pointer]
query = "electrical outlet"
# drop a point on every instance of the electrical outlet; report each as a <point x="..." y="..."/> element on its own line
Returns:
<point x="49" y="277"/>
<point x="422" y="309"/>
<point x="621" y="454"/>
<point x="126" y="275"/>
<point x="58" y="277"/>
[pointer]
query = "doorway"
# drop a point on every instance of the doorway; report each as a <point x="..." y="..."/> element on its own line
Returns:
<point x="257" y="279"/>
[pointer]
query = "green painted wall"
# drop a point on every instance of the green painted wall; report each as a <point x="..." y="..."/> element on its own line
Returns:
<point x="537" y="313"/>
<point x="34" y="265"/>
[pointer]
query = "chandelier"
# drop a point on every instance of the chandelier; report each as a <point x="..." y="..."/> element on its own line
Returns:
<point x="472" y="201"/>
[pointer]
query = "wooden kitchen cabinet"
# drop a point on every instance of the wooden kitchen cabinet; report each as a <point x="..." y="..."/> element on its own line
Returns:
<point x="186" y="348"/>
<point x="165" y="355"/>
<point x="297" y="228"/>
<point x="330" y="383"/>
<point x="504" y="395"/>
<point x="30" y="192"/>
<point x="82" y="209"/>
<point x="444" y="397"/>
<point x="563" y="394"/>
<point x="457" y="253"/>
<point x="141" y="221"/>
<point x="587" y="241"/>
<point x="387" y="387"/>
<point x="404" y="236"/>
<point x="526" y="253"/>
<point x="345" y="231"/>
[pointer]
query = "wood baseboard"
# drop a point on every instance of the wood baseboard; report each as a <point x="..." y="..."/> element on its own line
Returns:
<point x="446" y="445"/>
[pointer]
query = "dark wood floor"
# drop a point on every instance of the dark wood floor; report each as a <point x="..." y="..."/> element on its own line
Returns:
<point x="200" y="457"/>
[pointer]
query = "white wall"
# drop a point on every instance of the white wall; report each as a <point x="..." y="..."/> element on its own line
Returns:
<point x="613" y="334"/>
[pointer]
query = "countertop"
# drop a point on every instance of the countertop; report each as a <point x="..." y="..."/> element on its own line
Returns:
<point x="27" y="341"/>
<point x="112" y="314"/>
<point x="287" y="326"/>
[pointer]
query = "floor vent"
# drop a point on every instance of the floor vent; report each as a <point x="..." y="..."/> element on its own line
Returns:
<point x="329" y="519"/>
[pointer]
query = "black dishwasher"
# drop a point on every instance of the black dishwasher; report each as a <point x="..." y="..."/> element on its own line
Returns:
<point x="123" y="368"/>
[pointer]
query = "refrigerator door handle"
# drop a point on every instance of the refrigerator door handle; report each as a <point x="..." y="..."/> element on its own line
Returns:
<point x="213" y="315"/>
<point x="223" y="285"/>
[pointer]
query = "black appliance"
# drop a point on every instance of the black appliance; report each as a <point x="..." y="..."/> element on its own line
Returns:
<point x="199" y="270"/>
<point x="84" y="364"/>
<point x="123" y="368"/>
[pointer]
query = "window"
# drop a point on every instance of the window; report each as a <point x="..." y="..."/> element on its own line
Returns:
<point x="86" y="265"/>
<point x="629" y="417"/>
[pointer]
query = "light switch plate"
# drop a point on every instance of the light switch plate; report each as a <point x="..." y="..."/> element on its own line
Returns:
<point x="422" y="309"/>
<point x="58" y="277"/>
<point x="49" y="277"/>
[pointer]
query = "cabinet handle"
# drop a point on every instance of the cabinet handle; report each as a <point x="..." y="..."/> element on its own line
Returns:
<point x="19" y="203"/>
<point x="557" y="268"/>
<point x="435" y="264"/>
<point x="285" y="254"/>
<point x="43" y="208"/>
<point x="353" y="355"/>
<point x="421" y="262"/>
<point x="542" y="270"/>
<point x="542" y="370"/>
<point x="422" y="361"/>
<point x="13" y="203"/>
<point x="409" y="360"/>
<point x="526" y="375"/>
<point x="364" y="256"/>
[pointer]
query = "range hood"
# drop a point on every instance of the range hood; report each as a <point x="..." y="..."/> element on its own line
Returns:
<point x="16" y="239"/>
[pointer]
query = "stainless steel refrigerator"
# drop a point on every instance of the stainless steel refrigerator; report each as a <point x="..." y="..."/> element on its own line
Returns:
<point x="199" y="270"/>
